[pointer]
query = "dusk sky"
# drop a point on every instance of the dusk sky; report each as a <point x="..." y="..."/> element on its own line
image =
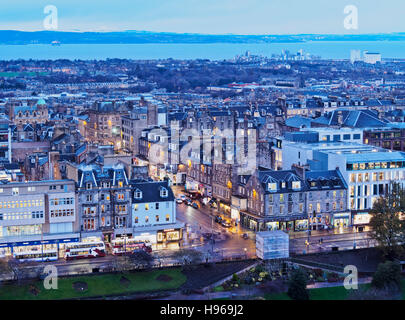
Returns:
<point x="206" y="16"/>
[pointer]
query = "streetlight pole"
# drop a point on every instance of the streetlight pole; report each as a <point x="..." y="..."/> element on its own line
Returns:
<point x="212" y="235"/>
<point x="354" y="239"/>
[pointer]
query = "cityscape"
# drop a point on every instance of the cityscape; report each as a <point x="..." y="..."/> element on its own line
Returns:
<point x="269" y="173"/>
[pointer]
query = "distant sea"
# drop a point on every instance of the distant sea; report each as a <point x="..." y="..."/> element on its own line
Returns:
<point x="215" y="51"/>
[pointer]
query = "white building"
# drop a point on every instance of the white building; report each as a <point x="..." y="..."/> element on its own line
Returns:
<point x="39" y="215"/>
<point x="372" y="57"/>
<point x="154" y="213"/>
<point x="367" y="170"/>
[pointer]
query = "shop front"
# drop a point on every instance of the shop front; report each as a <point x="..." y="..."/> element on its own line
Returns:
<point x="341" y="220"/>
<point x="299" y="223"/>
<point x="224" y="208"/>
<point x="191" y="185"/>
<point x="169" y="235"/>
<point x="7" y="249"/>
<point x="361" y="218"/>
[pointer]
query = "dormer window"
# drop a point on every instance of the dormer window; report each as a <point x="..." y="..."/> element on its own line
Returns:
<point x="88" y="186"/>
<point x="296" y="184"/>
<point x="138" y="194"/>
<point x="272" y="186"/>
<point x="163" y="193"/>
<point x="120" y="184"/>
<point x="283" y="185"/>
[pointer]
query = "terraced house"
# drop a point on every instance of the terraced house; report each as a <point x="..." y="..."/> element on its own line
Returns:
<point x="294" y="200"/>
<point x="112" y="206"/>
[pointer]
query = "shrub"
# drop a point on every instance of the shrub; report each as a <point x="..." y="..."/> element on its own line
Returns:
<point x="388" y="274"/>
<point x="259" y="268"/>
<point x="235" y="277"/>
<point x="297" y="285"/>
<point x="318" y="272"/>
<point x="332" y="277"/>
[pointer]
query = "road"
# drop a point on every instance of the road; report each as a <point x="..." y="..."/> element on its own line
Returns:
<point x="344" y="241"/>
<point x="228" y="241"/>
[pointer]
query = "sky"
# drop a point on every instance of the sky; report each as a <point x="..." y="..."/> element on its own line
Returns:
<point x="207" y="16"/>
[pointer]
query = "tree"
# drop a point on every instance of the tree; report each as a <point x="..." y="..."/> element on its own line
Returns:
<point x="386" y="226"/>
<point x="188" y="256"/>
<point x="297" y="285"/>
<point x="387" y="276"/>
<point x="141" y="259"/>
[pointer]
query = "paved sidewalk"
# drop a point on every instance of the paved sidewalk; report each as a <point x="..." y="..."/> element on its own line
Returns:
<point x="336" y="284"/>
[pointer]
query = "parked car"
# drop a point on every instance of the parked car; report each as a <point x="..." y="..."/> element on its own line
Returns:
<point x="245" y="236"/>
<point x="188" y="202"/>
<point x="182" y="197"/>
<point x="179" y="200"/>
<point x="195" y="205"/>
<point x="218" y="219"/>
<point x="226" y="224"/>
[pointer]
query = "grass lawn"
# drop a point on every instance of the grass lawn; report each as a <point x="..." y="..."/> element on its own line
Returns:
<point x="98" y="285"/>
<point x="329" y="293"/>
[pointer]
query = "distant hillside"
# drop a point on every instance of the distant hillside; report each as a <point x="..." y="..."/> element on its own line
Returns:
<point x="46" y="37"/>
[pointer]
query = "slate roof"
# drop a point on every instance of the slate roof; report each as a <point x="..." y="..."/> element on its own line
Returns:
<point x="151" y="191"/>
<point x="324" y="180"/>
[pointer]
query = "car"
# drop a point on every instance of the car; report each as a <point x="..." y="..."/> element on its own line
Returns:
<point x="188" y="202"/>
<point x="182" y="197"/>
<point x="218" y="219"/>
<point x="245" y="236"/>
<point x="195" y="205"/>
<point x="225" y="224"/>
<point x="179" y="200"/>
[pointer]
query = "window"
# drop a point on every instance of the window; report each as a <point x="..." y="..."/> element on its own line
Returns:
<point x="163" y="192"/>
<point x="157" y="206"/>
<point x="157" y="218"/>
<point x="167" y="217"/>
<point x="146" y="219"/>
<point x="272" y="186"/>
<point x="16" y="191"/>
<point x="296" y="185"/>
<point x="136" y="219"/>
<point x="146" y="206"/>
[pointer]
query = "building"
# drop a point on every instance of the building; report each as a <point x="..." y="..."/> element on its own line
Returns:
<point x="5" y="141"/>
<point x="294" y="200"/>
<point x="112" y="206"/>
<point x="24" y="112"/>
<point x="367" y="170"/>
<point x="371" y="57"/>
<point x="154" y="213"/>
<point x="39" y="215"/>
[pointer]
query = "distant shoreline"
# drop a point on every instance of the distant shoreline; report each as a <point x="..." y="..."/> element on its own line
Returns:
<point x="326" y="50"/>
<point x="10" y="37"/>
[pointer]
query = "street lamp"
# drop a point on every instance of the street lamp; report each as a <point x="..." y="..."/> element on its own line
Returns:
<point x="354" y="238"/>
